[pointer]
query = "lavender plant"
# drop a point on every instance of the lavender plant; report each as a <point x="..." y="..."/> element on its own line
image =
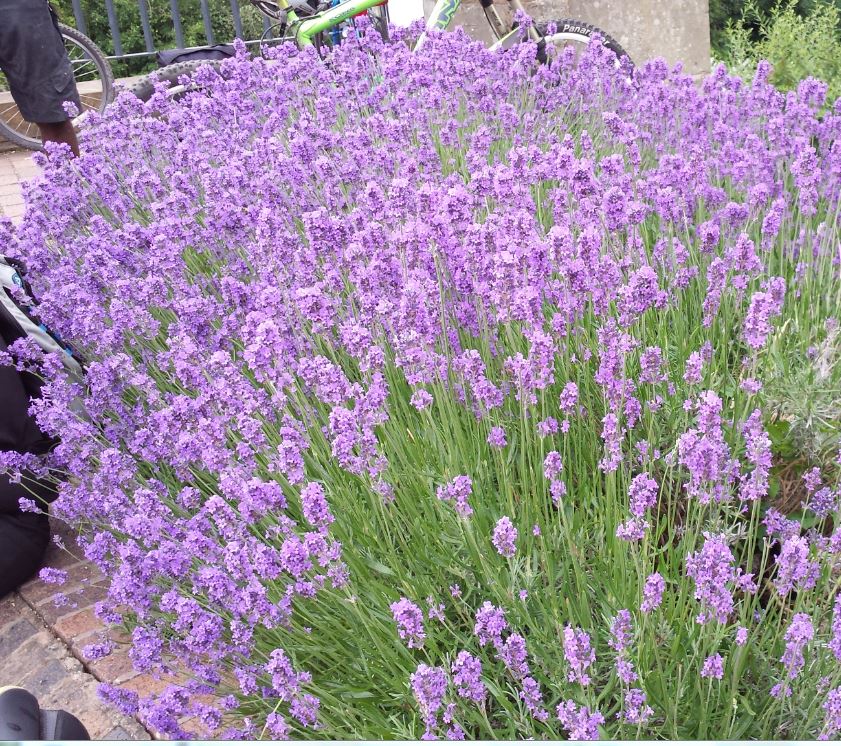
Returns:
<point x="425" y="394"/>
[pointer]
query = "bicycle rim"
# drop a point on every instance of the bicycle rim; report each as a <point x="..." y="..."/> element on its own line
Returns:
<point x="561" y="41"/>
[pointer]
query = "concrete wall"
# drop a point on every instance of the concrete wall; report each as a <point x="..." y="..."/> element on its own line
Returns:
<point x="678" y="30"/>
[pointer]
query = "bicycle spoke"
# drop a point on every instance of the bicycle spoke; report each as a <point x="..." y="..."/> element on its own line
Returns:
<point x="11" y="117"/>
<point x="16" y="120"/>
<point x="89" y="100"/>
<point x="22" y="127"/>
<point x="79" y="65"/>
<point x="94" y="75"/>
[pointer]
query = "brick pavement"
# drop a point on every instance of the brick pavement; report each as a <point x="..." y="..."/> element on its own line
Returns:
<point x="33" y="657"/>
<point x="41" y="646"/>
<point x="48" y="641"/>
<point x="16" y="167"/>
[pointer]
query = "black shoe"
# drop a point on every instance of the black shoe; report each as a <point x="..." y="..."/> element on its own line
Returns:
<point x="22" y="719"/>
<point x="20" y="715"/>
<point x="58" y="725"/>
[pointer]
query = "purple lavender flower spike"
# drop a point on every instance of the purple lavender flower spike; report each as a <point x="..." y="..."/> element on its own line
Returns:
<point x="505" y="537"/>
<point x="409" y="619"/>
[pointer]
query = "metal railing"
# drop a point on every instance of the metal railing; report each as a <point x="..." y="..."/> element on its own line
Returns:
<point x="146" y="26"/>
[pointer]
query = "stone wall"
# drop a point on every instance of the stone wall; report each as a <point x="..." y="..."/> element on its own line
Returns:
<point x="678" y="30"/>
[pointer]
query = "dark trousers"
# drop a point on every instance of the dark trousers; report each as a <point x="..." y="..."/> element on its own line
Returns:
<point x="32" y="56"/>
<point x="23" y="537"/>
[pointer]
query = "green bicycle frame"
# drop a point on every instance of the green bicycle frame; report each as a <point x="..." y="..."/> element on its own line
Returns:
<point x="441" y="17"/>
<point x="328" y="19"/>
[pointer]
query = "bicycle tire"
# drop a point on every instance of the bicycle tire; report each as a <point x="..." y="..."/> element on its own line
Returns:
<point x="105" y="76"/>
<point x="579" y="32"/>
<point x="145" y="87"/>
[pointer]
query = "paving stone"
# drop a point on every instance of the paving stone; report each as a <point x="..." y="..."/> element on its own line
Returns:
<point x="18" y="665"/>
<point x="86" y="573"/>
<point x="115" y="668"/>
<point x="196" y="729"/>
<point x="77" y="694"/>
<point x="67" y="536"/>
<point x="24" y="164"/>
<point x="43" y="664"/>
<point x="36" y="591"/>
<point x="15" y="635"/>
<point x="73" y="626"/>
<point x="119" y="635"/>
<point x="15" y="213"/>
<point x="118" y="734"/>
<point x="60" y="559"/>
<point x="9" y="610"/>
<point x="87" y="707"/>
<point x="145" y="685"/>
<point x="15" y="167"/>
<point x="81" y="641"/>
<point x="46" y="677"/>
<point x="77" y="600"/>
<point x="64" y="558"/>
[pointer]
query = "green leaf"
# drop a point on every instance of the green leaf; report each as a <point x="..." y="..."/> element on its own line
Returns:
<point x="778" y="432"/>
<point x="357" y="695"/>
<point x="379" y="567"/>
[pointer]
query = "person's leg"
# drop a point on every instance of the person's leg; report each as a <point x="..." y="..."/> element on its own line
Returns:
<point x="23" y="541"/>
<point x="60" y="132"/>
<point x="23" y="538"/>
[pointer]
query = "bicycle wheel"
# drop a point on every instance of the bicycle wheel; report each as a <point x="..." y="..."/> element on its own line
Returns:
<point x="569" y="32"/>
<point x="94" y="81"/>
<point x="564" y="33"/>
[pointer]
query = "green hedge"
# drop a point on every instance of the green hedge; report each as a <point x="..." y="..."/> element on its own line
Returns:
<point x="798" y="41"/>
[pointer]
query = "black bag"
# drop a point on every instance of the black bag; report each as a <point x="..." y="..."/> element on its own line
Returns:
<point x="18" y="430"/>
<point x="172" y="56"/>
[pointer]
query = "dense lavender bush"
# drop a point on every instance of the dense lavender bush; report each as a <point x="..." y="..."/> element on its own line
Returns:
<point x="425" y="395"/>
